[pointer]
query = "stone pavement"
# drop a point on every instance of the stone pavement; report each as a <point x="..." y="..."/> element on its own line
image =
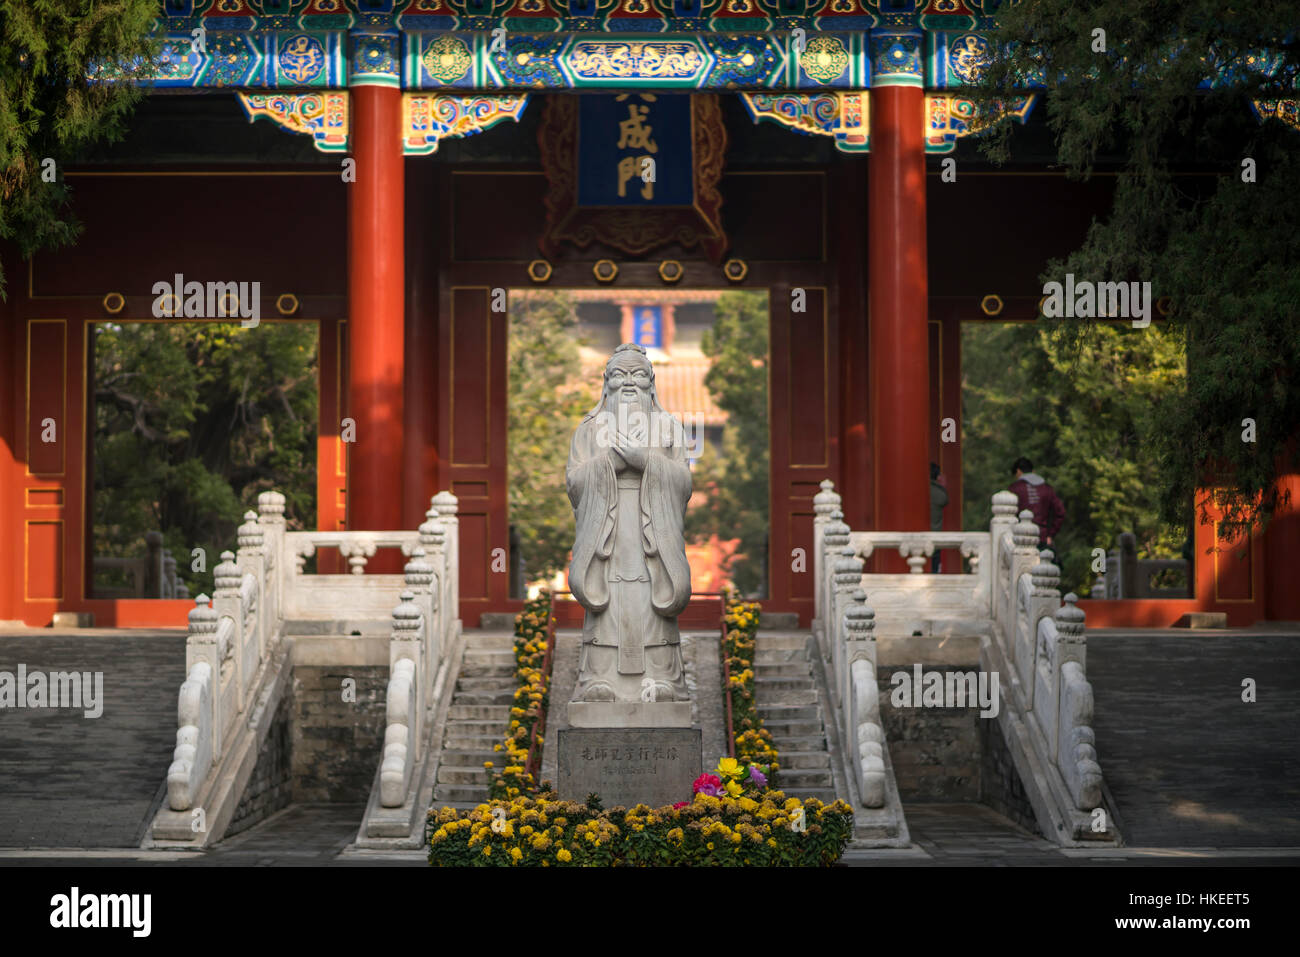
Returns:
<point x="71" y="781"/>
<point x="1188" y="762"/>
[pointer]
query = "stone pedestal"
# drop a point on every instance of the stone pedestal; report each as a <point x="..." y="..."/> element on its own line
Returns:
<point x="628" y="766"/>
<point x="629" y="714"/>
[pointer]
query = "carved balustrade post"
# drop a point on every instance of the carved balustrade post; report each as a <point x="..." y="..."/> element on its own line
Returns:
<point x="275" y="566"/>
<point x="254" y="557"/>
<point x="447" y="507"/>
<point x="201" y="645"/>
<point x="420" y="583"/>
<point x="825" y="503"/>
<point x="835" y="536"/>
<point x="848" y="578"/>
<point x="863" y="733"/>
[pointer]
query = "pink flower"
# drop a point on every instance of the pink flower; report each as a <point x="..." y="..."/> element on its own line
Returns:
<point x="709" y="784"/>
<point x="681" y="804"/>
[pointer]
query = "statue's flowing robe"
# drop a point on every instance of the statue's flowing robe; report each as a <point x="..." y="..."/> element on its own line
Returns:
<point x="632" y="594"/>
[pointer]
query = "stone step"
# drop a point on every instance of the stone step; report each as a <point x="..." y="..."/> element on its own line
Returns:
<point x="487" y="669"/>
<point x="799" y="760"/>
<point x="805" y="778"/>
<point x="781" y="642"/>
<point x="504" y="656"/>
<point x="764" y="685"/>
<point x="798" y="743"/>
<point x="825" y="795"/>
<point x="471" y="742"/>
<point x="468" y="727"/>
<point x="786" y="696"/>
<point x="780" y="669"/>
<point x="451" y="774"/>
<point x="461" y="792"/>
<point x="498" y="641"/>
<point x="495" y="683"/>
<point x="788" y="712"/>
<point x="480" y="712"/>
<point x="483" y="697"/>
<point x="790" y="729"/>
<point x="462" y="758"/>
<point x="774" y="656"/>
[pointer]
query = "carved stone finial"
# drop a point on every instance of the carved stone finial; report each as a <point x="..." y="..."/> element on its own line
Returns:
<point x="271" y="505"/>
<point x="250" y="535"/>
<point x="1069" y="619"/>
<point x="1046" y="576"/>
<point x="1025" y="533"/>
<point x="406" y="616"/>
<point x="203" y="620"/>
<point x="835" y="534"/>
<point x="432" y="534"/>
<point x="1004" y="504"/>
<point x="226" y="576"/>
<point x="826" y="501"/>
<point x="419" y="573"/>
<point x="445" y="503"/>
<point x="859" y="617"/>
<point x="847" y="569"/>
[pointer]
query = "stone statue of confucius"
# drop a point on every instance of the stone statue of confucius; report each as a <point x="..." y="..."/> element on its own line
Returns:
<point x="629" y="481"/>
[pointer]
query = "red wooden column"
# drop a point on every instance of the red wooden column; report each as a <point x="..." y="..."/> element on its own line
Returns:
<point x="376" y="320"/>
<point x="897" y="297"/>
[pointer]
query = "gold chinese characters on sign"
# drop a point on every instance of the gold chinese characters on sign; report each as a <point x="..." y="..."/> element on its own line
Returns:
<point x="636" y="134"/>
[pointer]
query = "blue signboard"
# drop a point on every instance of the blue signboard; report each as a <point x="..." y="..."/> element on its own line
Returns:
<point x="648" y="326"/>
<point x="635" y="149"/>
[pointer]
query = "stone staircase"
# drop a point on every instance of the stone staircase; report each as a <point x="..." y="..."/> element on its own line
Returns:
<point x="476" y="720"/>
<point x="788" y="703"/>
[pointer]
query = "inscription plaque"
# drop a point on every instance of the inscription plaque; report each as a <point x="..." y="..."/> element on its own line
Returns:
<point x="627" y="766"/>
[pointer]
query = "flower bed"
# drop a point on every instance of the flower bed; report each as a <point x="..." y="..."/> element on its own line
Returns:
<point x="752" y="743"/>
<point x="522" y="746"/>
<point x="731" y="824"/>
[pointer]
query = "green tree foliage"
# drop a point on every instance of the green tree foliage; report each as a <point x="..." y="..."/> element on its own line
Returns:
<point x="1085" y="413"/>
<point x="50" y="110"/>
<point x="192" y="421"/>
<point x="1228" y="256"/>
<point x="548" y="398"/>
<point x="735" y="481"/>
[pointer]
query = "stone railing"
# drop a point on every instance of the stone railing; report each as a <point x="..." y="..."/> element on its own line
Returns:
<point x="153" y="576"/>
<point x="1008" y="595"/>
<point x="260" y="588"/>
<point x="1128" y="576"/>
<point x="227" y="645"/>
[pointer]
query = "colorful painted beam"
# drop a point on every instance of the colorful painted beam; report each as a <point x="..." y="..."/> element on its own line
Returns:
<point x="845" y="116"/>
<point x="427" y="118"/>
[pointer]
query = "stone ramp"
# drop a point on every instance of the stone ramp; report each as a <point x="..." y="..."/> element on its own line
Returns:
<point x="1188" y="762"/>
<point x="71" y="781"/>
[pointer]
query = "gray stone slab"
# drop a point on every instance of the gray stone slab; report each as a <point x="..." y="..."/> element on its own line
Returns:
<point x="627" y="766"/>
<point x="630" y="714"/>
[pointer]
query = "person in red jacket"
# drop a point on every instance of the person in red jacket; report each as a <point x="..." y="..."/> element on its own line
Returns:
<point x="1035" y="494"/>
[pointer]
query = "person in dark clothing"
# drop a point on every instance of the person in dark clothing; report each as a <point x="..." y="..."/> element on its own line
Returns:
<point x="938" y="502"/>
<point x="1035" y="494"/>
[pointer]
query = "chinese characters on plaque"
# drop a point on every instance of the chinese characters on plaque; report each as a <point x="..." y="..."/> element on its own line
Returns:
<point x="635" y="150"/>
